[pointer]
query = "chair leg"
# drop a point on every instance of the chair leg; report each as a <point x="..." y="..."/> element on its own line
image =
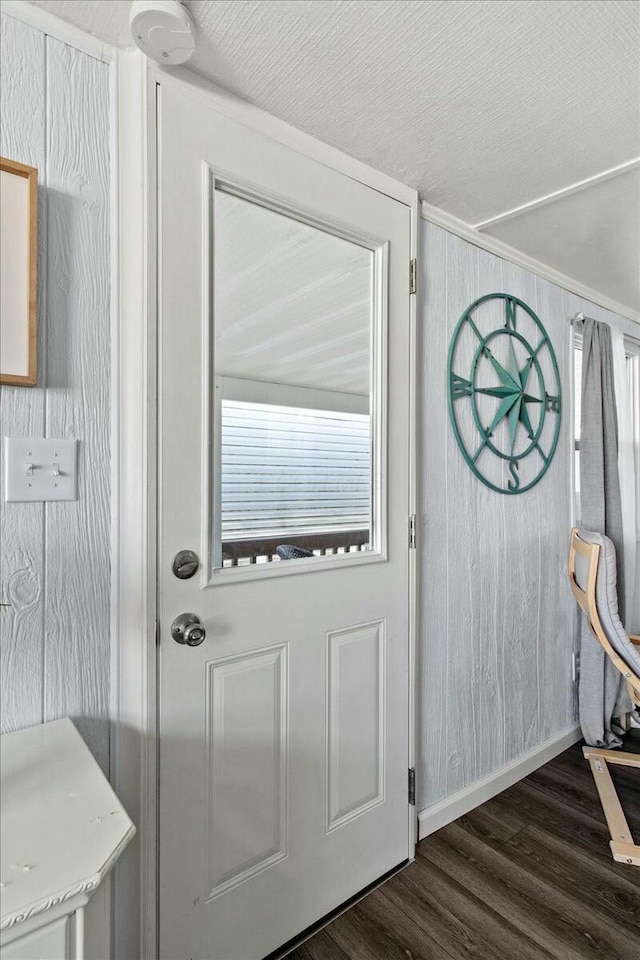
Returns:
<point x="623" y="849"/>
<point x="625" y="852"/>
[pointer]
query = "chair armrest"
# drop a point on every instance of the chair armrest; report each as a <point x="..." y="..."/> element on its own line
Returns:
<point x="634" y="639"/>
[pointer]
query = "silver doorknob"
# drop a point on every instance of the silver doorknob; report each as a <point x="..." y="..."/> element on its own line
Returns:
<point x="187" y="628"/>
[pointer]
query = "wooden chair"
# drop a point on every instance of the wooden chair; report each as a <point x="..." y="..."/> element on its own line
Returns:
<point x="595" y="554"/>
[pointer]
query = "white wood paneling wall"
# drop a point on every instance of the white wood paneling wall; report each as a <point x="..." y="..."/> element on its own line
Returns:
<point x="54" y="557"/>
<point x="497" y="621"/>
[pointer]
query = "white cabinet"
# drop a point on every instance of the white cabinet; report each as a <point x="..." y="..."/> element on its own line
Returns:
<point x="62" y="828"/>
<point x="51" y="942"/>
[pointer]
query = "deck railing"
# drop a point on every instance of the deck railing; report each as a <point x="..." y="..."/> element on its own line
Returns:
<point x="237" y="553"/>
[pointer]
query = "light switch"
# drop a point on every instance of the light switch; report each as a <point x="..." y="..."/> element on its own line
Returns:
<point x="37" y="469"/>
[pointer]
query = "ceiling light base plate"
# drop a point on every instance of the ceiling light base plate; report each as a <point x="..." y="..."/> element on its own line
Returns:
<point x="163" y="30"/>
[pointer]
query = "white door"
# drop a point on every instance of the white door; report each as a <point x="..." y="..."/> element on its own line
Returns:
<point x="284" y="378"/>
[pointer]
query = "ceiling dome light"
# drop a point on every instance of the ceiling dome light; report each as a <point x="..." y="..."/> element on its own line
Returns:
<point x="163" y="29"/>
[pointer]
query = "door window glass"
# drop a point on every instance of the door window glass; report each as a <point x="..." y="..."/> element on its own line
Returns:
<point x="294" y="445"/>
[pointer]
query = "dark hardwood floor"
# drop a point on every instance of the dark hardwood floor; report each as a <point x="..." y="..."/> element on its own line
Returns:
<point x="526" y="876"/>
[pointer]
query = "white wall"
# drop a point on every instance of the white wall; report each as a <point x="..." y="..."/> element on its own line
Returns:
<point x="54" y="558"/>
<point x="496" y="614"/>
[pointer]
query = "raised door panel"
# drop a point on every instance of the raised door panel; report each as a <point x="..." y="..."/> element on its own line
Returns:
<point x="247" y="757"/>
<point x="355" y="704"/>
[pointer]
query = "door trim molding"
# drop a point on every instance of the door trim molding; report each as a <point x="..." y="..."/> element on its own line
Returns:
<point x="133" y="675"/>
<point x="276" y="129"/>
<point x="134" y="703"/>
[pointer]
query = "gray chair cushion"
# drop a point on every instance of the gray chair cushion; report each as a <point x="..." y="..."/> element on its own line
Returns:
<point x="607" y="598"/>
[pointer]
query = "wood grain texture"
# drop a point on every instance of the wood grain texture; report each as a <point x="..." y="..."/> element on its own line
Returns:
<point x="55" y="556"/>
<point x="524" y="585"/>
<point x="22" y="138"/>
<point x="523" y="899"/>
<point x="463" y="556"/>
<point x="528" y="878"/>
<point x="460" y="925"/>
<point x="432" y="518"/>
<point x="490" y="644"/>
<point x="77" y="401"/>
<point x="557" y="614"/>
<point x="497" y="620"/>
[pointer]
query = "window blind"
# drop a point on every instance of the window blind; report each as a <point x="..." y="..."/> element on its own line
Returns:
<point x="292" y="469"/>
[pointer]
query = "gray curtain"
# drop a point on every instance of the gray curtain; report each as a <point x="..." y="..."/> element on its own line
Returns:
<point x="602" y="691"/>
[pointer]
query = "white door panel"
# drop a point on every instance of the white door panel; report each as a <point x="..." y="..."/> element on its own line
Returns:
<point x="284" y="736"/>
<point x="247" y="760"/>
<point x="355" y="721"/>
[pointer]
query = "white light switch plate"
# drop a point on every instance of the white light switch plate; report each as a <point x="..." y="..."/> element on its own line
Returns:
<point x="37" y="469"/>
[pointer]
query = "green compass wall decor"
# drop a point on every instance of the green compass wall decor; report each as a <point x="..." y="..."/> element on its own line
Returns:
<point x="504" y="393"/>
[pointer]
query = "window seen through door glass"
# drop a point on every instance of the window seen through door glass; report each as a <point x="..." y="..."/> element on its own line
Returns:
<point x="292" y="357"/>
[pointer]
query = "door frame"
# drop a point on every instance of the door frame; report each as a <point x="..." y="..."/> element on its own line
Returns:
<point x="134" y="712"/>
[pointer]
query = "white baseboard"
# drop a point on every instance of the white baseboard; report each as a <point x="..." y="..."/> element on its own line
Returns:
<point x="440" y="814"/>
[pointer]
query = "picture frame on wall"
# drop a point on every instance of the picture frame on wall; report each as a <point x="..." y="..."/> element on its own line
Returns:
<point x="18" y="273"/>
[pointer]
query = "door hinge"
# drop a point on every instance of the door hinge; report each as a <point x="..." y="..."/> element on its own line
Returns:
<point x="412" y="787"/>
<point x="412" y="532"/>
<point x="413" y="276"/>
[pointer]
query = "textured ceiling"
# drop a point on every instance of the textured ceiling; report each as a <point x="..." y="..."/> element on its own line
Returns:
<point x="482" y="105"/>
<point x="292" y="303"/>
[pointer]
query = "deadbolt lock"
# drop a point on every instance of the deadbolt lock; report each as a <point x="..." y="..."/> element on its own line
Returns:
<point x="184" y="564"/>
<point x="188" y="629"/>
